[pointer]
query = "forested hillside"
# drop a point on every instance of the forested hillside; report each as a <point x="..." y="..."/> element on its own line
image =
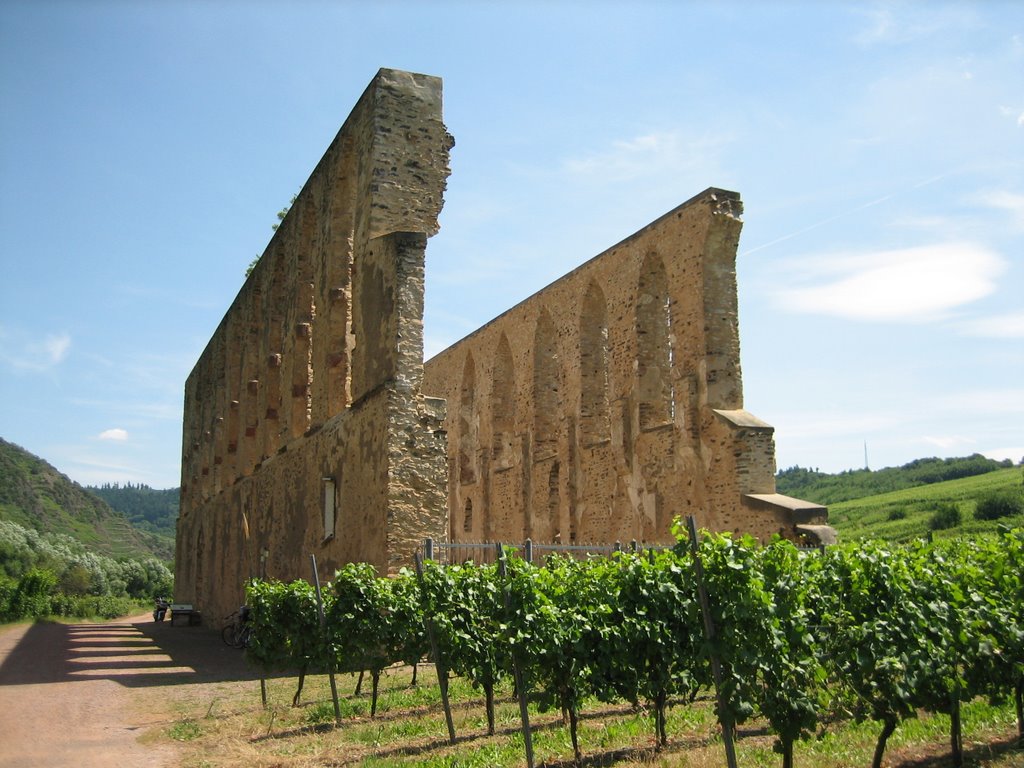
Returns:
<point x="824" y="488"/>
<point x="147" y="508"/>
<point x="64" y="551"/>
<point x="37" y="497"/>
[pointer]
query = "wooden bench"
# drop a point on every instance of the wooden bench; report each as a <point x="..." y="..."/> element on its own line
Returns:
<point x="185" y="615"/>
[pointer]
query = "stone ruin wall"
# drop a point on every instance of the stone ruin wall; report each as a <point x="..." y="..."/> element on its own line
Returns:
<point x="597" y="410"/>
<point x="310" y="386"/>
<point x="611" y="402"/>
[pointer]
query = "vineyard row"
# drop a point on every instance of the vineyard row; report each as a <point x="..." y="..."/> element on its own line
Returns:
<point x="869" y="631"/>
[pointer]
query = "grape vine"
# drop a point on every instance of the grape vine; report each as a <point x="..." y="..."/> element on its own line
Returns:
<point x="881" y="632"/>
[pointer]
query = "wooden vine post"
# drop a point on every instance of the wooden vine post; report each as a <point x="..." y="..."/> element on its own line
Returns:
<point x="323" y="634"/>
<point x="517" y="673"/>
<point x="439" y="666"/>
<point x="724" y="719"/>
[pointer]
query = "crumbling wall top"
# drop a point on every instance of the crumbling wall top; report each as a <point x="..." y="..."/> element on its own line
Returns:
<point x="404" y="172"/>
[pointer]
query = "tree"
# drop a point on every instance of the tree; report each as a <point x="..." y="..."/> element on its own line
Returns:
<point x="280" y="220"/>
<point x="76" y="580"/>
<point x="997" y="504"/>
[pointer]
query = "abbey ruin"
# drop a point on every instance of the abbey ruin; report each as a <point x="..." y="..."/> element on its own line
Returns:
<point x="597" y="410"/>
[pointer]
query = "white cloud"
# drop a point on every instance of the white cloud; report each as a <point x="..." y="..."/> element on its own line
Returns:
<point x="949" y="441"/>
<point x="897" y="431"/>
<point x="25" y="353"/>
<point x="832" y="423"/>
<point x="1013" y="113"/>
<point x="881" y="26"/>
<point x="91" y="470"/>
<point x="980" y="402"/>
<point x="126" y="410"/>
<point x="1013" y="453"/>
<point x="911" y="284"/>
<point x="1006" y="201"/>
<point x="57" y="347"/>
<point x="885" y="25"/>
<point x="652" y="153"/>
<point x="114" y="434"/>
<point x="1006" y="326"/>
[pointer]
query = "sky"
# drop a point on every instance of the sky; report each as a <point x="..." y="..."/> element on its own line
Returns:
<point x="146" y="147"/>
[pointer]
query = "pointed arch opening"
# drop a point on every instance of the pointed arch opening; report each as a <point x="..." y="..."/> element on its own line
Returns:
<point x="654" y="345"/>
<point x="554" y="507"/>
<point x="594" y="424"/>
<point x="468" y="432"/>
<point x="547" y="389"/>
<point x="502" y="406"/>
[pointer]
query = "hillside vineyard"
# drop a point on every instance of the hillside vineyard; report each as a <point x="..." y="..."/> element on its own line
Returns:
<point x="597" y="410"/>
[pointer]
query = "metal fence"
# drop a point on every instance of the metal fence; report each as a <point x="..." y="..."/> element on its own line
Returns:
<point x="479" y="552"/>
<point x="451" y="552"/>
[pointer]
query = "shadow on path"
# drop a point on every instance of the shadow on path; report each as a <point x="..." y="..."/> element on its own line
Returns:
<point x="976" y="755"/>
<point x="133" y="652"/>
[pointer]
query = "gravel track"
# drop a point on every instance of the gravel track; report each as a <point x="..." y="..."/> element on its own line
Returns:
<point x="82" y="694"/>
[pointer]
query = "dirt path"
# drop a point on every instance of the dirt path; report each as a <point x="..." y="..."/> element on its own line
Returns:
<point x="82" y="694"/>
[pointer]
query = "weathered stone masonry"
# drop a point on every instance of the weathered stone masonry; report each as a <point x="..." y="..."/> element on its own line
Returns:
<point x="307" y="398"/>
<point x="596" y="410"/>
<point x="611" y="402"/>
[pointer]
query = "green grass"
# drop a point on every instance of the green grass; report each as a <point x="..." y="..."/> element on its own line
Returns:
<point x="904" y="515"/>
<point x="184" y="730"/>
<point x="409" y="730"/>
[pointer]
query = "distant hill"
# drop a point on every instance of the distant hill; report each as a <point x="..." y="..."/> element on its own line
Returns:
<point x="943" y="509"/>
<point x="147" y="508"/>
<point x="37" y="496"/>
<point x="823" y="488"/>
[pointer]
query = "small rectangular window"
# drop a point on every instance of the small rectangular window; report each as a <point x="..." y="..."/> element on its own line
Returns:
<point x="330" y="501"/>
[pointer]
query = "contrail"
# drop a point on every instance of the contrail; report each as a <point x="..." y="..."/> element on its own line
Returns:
<point x="869" y="204"/>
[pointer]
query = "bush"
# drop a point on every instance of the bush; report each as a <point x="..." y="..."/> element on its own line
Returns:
<point x="7" y="587"/>
<point x="92" y="606"/>
<point x="999" y="504"/>
<point x="31" y="597"/>
<point x="897" y="513"/>
<point x="946" y="515"/>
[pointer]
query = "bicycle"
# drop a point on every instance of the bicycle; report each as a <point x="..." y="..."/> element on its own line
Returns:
<point x="237" y="632"/>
